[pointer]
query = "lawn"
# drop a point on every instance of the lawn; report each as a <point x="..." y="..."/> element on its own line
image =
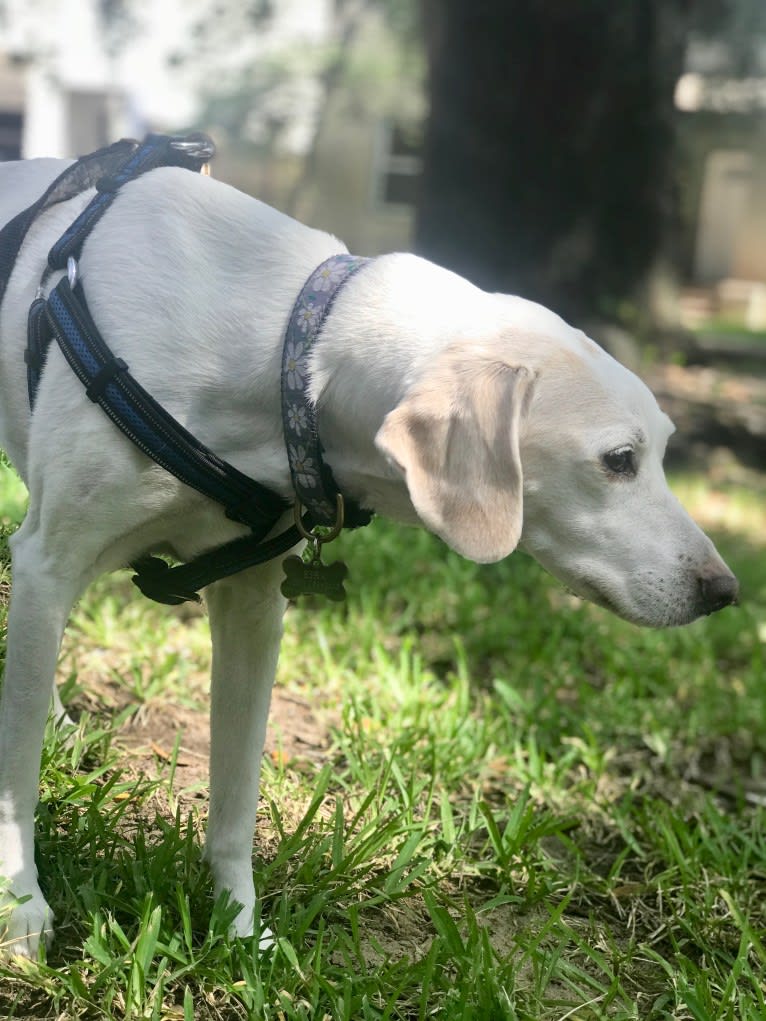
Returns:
<point x="483" y="799"/>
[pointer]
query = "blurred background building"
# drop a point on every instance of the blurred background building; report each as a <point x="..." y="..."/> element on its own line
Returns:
<point x="723" y="148"/>
<point x="327" y="109"/>
<point x="315" y="109"/>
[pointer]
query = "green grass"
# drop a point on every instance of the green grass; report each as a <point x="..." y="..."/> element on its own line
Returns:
<point x="520" y="807"/>
<point x="733" y="330"/>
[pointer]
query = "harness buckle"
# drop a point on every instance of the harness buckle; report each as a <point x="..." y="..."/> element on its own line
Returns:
<point x="195" y="146"/>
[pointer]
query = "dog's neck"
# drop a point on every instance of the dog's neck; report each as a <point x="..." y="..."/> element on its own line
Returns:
<point x="370" y="353"/>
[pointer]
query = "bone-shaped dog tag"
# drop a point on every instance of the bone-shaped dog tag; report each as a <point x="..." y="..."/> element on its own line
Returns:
<point x="314" y="578"/>
<point x="310" y="577"/>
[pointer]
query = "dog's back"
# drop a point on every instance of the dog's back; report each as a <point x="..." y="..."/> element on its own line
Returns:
<point x="171" y="235"/>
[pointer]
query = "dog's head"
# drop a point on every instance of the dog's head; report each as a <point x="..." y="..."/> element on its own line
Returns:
<point x="541" y="439"/>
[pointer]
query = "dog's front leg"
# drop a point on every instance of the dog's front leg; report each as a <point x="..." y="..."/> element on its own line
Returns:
<point x="41" y="598"/>
<point x="246" y="626"/>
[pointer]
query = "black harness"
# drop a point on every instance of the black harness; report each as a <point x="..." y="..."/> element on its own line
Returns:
<point x="64" y="315"/>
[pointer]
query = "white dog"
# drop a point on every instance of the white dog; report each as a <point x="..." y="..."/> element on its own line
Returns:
<point x="483" y="417"/>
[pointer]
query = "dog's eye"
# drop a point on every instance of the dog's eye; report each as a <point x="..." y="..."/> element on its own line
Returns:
<point x="621" y="461"/>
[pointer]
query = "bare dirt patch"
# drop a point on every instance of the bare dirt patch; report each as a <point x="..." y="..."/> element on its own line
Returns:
<point x="161" y="732"/>
<point x="149" y="739"/>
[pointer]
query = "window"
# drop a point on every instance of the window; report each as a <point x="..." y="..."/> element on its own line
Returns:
<point x="725" y="213"/>
<point x="10" y="135"/>
<point x="88" y="118"/>
<point x="399" y="164"/>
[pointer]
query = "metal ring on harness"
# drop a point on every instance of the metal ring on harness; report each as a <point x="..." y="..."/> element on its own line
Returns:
<point x="334" y="531"/>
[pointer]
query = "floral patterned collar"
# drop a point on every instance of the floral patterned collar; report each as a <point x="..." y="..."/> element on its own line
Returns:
<point x="312" y="478"/>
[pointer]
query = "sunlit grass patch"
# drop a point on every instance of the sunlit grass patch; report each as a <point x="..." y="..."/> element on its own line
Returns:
<point x="516" y="805"/>
<point x="13" y="495"/>
<point x="732" y="499"/>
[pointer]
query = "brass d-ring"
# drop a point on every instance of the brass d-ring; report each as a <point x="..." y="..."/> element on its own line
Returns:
<point x="335" y="530"/>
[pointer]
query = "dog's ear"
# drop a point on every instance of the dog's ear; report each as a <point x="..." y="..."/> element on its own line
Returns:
<point x="455" y="439"/>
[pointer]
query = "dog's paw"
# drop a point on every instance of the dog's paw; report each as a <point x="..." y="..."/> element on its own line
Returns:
<point x="24" y="922"/>
<point x="233" y="883"/>
<point x="244" y="927"/>
<point x="266" y="940"/>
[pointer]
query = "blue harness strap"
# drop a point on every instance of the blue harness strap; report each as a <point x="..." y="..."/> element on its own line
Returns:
<point x="137" y="414"/>
<point x="106" y="169"/>
<point x="76" y="178"/>
<point x="109" y="383"/>
<point x="39" y="337"/>
<point x="155" y="151"/>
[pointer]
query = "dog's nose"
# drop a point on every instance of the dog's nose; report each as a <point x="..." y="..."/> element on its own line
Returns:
<point x="718" y="591"/>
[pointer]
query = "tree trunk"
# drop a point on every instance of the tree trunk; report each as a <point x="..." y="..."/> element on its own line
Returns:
<point x="549" y="145"/>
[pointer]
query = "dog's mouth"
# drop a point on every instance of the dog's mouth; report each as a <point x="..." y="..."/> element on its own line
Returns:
<point x="581" y="589"/>
<point x="637" y="614"/>
<point x="599" y="592"/>
<point x="591" y="594"/>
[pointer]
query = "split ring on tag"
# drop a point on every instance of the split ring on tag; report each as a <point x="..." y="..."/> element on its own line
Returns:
<point x="312" y="577"/>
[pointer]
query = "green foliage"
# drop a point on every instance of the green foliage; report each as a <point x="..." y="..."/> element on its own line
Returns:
<point x="733" y="330"/>
<point x="520" y="807"/>
<point x="13" y="496"/>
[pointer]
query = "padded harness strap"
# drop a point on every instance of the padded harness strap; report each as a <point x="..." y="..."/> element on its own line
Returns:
<point x="155" y="151"/>
<point x="172" y="585"/>
<point x="39" y="337"/>
<point x="136" y="413"/>
<point x="109" y="383"/>
<point x="76" y="178"/>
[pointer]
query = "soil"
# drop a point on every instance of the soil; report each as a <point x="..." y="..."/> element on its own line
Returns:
<point x="295" y="735"/>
